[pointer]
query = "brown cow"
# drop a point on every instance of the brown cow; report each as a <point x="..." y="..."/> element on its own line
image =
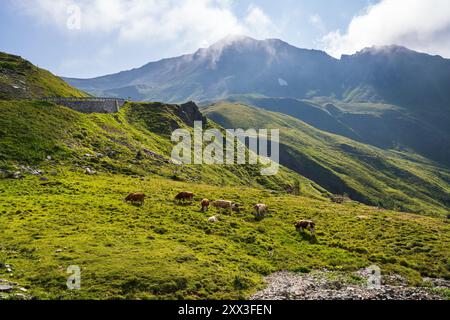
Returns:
<point x="225" y="204"/>
<point x="182" y="196"/>
<point x="136" y="198"/>
<point x="305" y="224"/>
<point x="205" y="205"/>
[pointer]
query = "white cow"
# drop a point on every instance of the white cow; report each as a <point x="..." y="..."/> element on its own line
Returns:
<point x="260" y="210"/>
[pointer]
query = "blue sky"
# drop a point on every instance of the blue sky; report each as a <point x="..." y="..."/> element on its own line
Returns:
<point x="81" y="38"/>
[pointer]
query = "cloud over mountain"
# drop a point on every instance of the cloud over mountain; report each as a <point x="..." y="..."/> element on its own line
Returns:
<point x="417" y="24"/>
<point x="198" y="22"/>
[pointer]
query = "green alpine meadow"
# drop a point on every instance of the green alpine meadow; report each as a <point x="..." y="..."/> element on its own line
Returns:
<point x="107" y="194"/>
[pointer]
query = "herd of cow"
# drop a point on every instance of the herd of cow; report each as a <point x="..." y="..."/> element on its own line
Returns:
<point x="260" y="209"/>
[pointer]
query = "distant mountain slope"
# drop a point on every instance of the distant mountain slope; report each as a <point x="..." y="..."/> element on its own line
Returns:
<point x="382" y="125"/>
<point x="390" y="97"/>
<point x="232" y="66"/>
<point x="323" y="118"/>
<point x="273" y="68"/>
<point x="19" y="79"/>
<point x="398" y="76"/>
<point x="371" y="175"/>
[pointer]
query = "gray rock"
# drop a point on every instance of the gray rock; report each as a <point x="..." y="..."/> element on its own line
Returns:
<point x="29" y="170"/>
<point x="17" y="175"/>
<point x="90" y="171"/>
<point x="6" y="288"/>
<point x="112" y="154"/>
<point x="154" y="154"/>
<point x="438" y="283"/>
<point x="213" y="219"/>
<point x="21" y="296"/>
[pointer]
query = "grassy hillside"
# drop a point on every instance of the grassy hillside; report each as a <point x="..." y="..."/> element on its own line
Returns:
<point x="19" y="79"/>
<point x="389" y="179"/>
<point x="135" y="141"/>
<point x="163" y="250"/>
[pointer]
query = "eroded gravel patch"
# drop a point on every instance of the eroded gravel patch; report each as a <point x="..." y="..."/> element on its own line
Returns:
<point x="326" y="285"/>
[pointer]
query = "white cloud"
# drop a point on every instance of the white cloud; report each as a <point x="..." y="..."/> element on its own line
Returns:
<point x="258" y="23"/>
<point x="317" y="22"/>
<point x="191" y="23"/>
<point x="422" y="25"/>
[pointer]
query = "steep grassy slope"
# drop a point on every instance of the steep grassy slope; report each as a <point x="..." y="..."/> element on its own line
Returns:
<point x="389" y="179"/>
<point x="163" y="250"/>
<point x="19" y="79"/>
<point x="135" y="141"/>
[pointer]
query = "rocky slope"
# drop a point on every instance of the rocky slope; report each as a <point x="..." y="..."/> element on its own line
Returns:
<point x="327" y="285"/>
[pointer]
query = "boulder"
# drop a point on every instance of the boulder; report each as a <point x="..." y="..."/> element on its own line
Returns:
<point x="6" y="288"/>
<point x="90" y="171"/>
<point x="17" y="175"/>
<point x="213" y="219"/>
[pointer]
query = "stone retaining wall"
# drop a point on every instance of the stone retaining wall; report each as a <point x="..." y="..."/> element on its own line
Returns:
<point x="91" y="105"/>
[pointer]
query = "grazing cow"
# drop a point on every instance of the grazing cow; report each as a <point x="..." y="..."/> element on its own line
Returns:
<point x="182" y="196"/>
<point x="225" y="204"/>
<point x="305" y="224"/>
<point x="260" y="211"/>
<point x="205" y="205"/>
<point x="136" y="198"/>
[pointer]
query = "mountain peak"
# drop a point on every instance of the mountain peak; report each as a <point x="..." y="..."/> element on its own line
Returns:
<point x="232" y="38"/>
<point x="233" y="41"/>
<point x="232" y="44"/>
<point x="386" y="49"/>
<point x="241" y="40"/>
